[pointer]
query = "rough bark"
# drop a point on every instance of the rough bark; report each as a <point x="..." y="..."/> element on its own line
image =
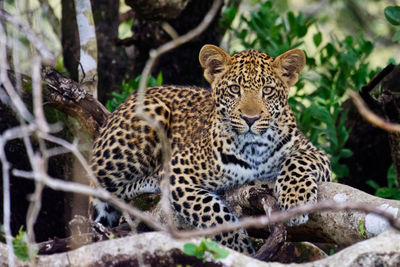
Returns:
<point x="341" y="227"/>
<point x="67" y="95"/>
<point x="159" y="249"/>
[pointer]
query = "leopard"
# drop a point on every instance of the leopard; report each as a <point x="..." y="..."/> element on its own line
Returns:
<point x="240" y="129"/>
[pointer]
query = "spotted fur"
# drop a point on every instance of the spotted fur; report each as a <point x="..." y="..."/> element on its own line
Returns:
<point x="240" y="130"/>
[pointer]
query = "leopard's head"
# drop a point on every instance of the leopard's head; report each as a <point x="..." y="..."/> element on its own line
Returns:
<point x="250" y="88"/>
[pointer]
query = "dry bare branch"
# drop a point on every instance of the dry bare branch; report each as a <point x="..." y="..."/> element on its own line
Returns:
<point x="67" y="96"/>
<point x="370" y="116"/>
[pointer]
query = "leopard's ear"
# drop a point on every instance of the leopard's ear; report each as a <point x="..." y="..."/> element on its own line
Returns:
<point x="214" y="61"/>
<point x="289" y="65"/>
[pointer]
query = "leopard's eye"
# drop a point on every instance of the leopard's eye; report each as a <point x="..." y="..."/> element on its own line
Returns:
<point x="268" y="90"/>
<point x="234" y="89"/>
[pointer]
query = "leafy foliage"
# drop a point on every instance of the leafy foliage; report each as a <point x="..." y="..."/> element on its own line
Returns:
<point x="127" y="88"/>
<point x="392" y="191"/>
<point x="20" y="244"/>
<point x="206" y="245"/>
<point x="266" y="30"/>
<point x="21" y="249"/>
<point x="337" y="65"/>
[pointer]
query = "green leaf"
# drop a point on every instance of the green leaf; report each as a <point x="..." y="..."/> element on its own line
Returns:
<point x="346" y="153"/>
<point x="392" y="14"/>
<point x="193" y="250"/>
<point x="396" y="36"/>
<point x="215" y="249"/>
<point x="330" y="50"/>
<point x="367" y="47"/>
<point x="321" y="113"/>
<point x="385" y="192"/>
<point x="340" y="170"/>
<point x="228" y="16"/>
<point x="362" y="230"/>
<point x="372" y="184"/>
<point x="317" y="38"/>
<point x="205" y="245"/>
<point x="125" y="29"/>
<point x="392" y="178"/>
<point x="159" y="79"/>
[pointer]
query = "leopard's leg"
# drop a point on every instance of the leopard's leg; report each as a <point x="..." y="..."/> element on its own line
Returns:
<point x="297" y="180"/>
<point x="201" y="208"/>
<point x="126" y="157"/>
<point x="107" y="215"/>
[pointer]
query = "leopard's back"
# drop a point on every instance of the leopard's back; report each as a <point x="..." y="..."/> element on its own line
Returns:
<point x="127" y="149"/>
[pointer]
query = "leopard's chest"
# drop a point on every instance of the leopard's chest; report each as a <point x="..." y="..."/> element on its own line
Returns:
<point x="254" y="157"/>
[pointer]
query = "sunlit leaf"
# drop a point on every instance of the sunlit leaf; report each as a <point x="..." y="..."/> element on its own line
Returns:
<point x="317" y="38"/>
<point x="392" y="14"/>
<point x="396" y="36"/>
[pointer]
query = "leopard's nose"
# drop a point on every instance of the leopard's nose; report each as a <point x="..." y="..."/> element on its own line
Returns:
<point x="250" y="120"/>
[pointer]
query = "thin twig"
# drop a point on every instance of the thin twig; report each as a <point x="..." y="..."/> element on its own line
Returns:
<point x="6" y="198"/>
<point x="37" y="95"/>
<point x="16" y="100"/>
<point x="35" y="205"/>
<point x="170" y="30"/>
<point x="75" y="150"/>
<point x="370" y="116"/>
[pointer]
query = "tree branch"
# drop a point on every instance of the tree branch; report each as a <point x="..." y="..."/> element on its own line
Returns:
<point x="67" y="96"/>
<point x="370" y="116"/>
<point x="155" y="247"/>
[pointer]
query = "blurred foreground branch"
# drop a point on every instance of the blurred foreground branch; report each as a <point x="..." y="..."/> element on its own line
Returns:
<point x="153" y="248"/>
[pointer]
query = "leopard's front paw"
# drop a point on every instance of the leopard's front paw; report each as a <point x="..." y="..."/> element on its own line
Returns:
<point x="291" y="195"/>
<point x="287" y="205"/>
<point x="301" y="219"/>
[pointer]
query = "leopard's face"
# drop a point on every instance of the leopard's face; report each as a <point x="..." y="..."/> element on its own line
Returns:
<point x="250" y="88"/>
<point x="250" y="95"/>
